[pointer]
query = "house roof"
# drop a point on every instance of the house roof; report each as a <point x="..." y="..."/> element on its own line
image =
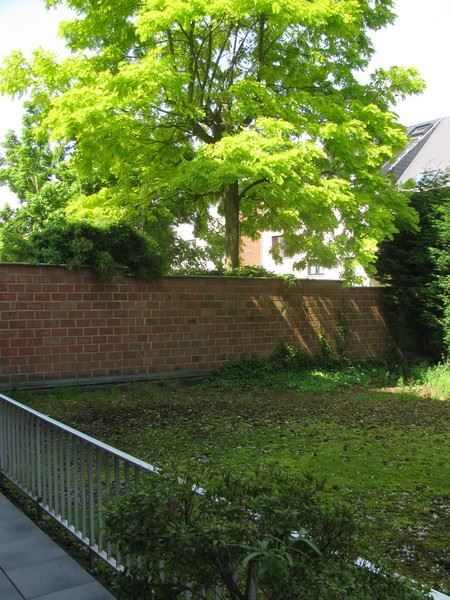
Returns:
<point x="427" y="153"/>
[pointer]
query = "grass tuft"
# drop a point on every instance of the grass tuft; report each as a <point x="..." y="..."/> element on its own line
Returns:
<point x="437" y="379"/>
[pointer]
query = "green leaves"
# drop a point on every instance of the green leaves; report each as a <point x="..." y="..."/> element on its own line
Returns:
<point x="416" y="264"/>
<point x="181" y="106"/>
<point x="265" y="154"/>
<point x="240" y="530"/>
<point x="15" y="74"/>
<point x="397" y="83"/>
<point x="105" y="250"/>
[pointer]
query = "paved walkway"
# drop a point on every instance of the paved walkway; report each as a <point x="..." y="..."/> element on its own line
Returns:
<point x="33" y="566"/>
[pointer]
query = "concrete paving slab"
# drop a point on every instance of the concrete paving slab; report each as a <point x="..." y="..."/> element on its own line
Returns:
<point x="87" y="591"/>
<point x="7" y="590"/>
<point x="34" y="566"/>
<point x="8" y="510"/>
<point x="28" y="550"/>
<point x="17" y="529"/>
<point x="49" y="576"/>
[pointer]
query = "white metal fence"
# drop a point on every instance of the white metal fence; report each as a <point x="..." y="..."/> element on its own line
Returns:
<point x="71" y="475"/>
<point x="68" y="474"/>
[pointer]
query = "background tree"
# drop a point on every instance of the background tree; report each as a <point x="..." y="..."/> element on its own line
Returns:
<point x="42" y="180"/>
<point x="41" y="175"/>
<point x="441" y="259"/>
<point x="244" y="105"/>
<point x="416" y="265"/>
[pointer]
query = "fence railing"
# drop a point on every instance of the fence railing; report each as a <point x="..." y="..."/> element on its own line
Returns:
<point x="71" y="475"/>
<point x="68" y="474"/>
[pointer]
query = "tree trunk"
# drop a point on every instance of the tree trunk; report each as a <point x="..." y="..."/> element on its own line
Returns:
<point x="232" y="237"/>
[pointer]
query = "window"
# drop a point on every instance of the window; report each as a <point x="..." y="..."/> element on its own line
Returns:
<point x="428" y="176"/>
<point x="420" y="129"/>
<point x="278" y="245"/>
<point x="315" y="270"/>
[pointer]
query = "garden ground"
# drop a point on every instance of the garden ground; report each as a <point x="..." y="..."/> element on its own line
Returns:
<point x="382" y="446"/>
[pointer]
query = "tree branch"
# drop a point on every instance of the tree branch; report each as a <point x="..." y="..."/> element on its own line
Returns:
<point x="252" y="185"/>
<point x="203" y="135"/>
<point x="261" y="32"/>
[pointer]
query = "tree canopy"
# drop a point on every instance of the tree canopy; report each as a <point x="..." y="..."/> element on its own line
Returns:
<point x="252" y="106"/>
<point x="42" y="180"/>
<point x="48" y="217"/>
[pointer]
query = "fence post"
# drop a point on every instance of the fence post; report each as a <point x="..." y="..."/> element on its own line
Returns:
<point x="2" y="448"/>
<point x="38" y="471"/>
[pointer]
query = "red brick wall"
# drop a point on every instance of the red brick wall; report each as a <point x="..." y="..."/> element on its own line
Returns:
<point x="250" y="254"/>
<point x="58" y="324"/>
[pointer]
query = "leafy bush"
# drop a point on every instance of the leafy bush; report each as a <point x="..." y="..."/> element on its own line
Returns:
<point x="246" y="271"/>
<point x="257" y="373"/>
<point x="250" y="271"/>
<point x="292" y="367"/>
<point x="241" y="529"/>
<point x="103" y="249"/>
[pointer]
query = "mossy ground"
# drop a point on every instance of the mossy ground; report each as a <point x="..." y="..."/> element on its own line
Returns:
<point x="383" y="448"/>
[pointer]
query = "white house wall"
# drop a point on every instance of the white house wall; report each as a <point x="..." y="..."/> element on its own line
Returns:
<point x="286" y="267"/>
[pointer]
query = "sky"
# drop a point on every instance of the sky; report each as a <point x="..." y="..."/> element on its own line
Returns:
<point x="420" y="37"/>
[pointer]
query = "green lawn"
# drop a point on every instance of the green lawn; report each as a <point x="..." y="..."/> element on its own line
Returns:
<point x="384" y="448"/>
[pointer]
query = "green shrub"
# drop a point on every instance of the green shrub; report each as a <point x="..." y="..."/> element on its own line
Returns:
<point x="416" y="267"/>
<point x="291" y="364"/>
<point x="245" y="271"/>
<point x="250" y="271"/>
<point x="102" y="249"/>
<point x="240" y="528"/>
<point x="263" y="373"/>
<point x="288" y="356"/>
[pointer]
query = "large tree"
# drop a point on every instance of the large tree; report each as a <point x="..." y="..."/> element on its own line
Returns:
<point x="254" y="106"/>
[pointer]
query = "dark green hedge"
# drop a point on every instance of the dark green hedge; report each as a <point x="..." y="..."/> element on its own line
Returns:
<point x="103" y="249"/>
<point x="416" y="265"/>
